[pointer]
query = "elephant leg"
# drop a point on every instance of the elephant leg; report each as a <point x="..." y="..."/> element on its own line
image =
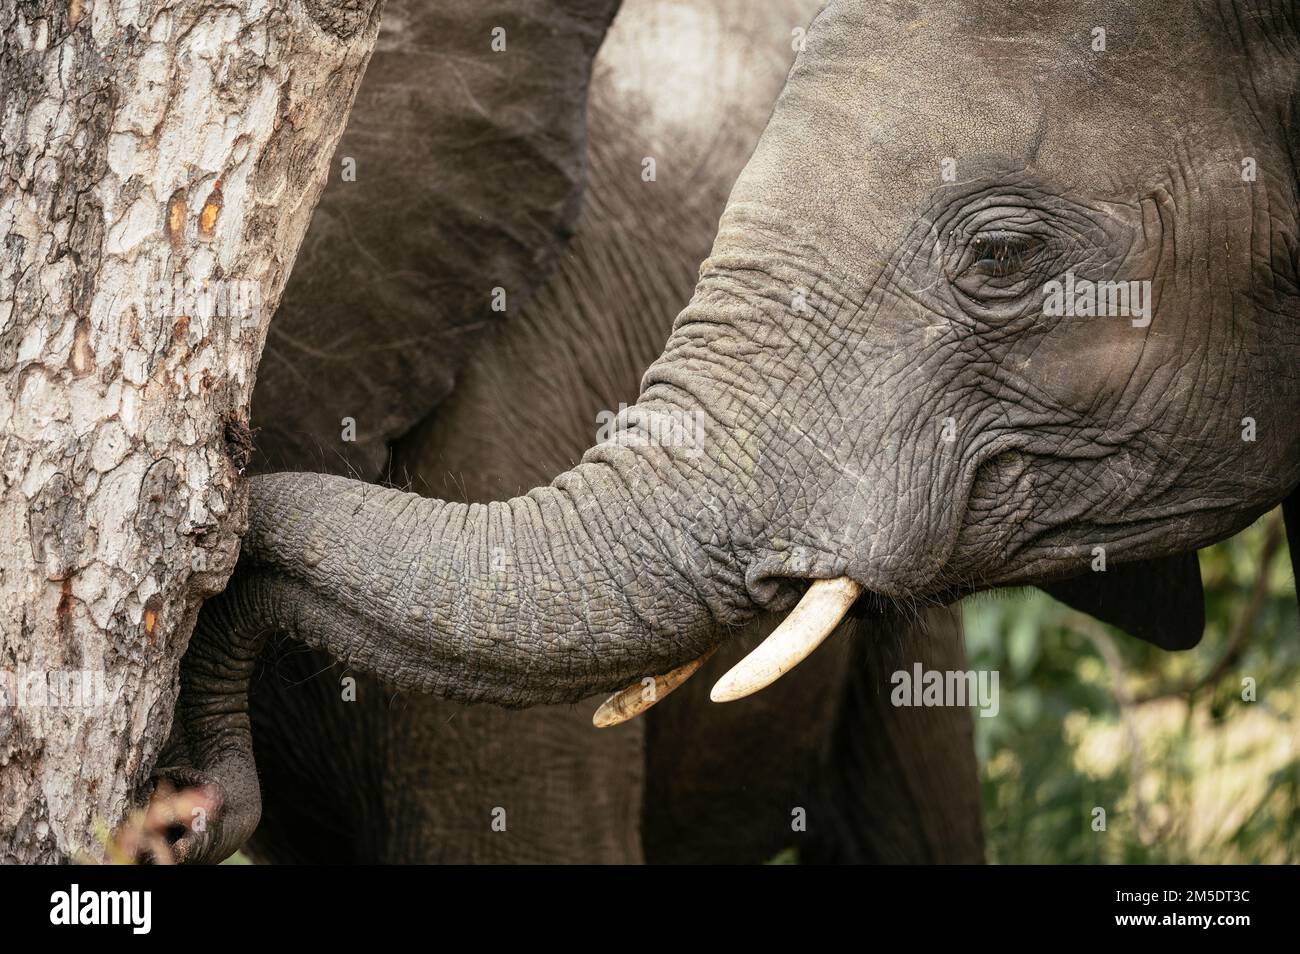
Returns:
<point x="355" y="773"/>
<point x="899" y="785"/>
<point x="320" y="750"/>
<point x="727" y="784"/>
<point x="484" y="785"/>
<point x="818" y="761"/>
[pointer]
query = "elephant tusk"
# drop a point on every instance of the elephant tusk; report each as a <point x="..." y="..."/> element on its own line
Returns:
<point x="808" y="624"/>
<point x="640" y="696"/>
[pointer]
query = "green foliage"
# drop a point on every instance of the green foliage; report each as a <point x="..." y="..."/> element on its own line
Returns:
<point x="1182" y="776"/>
<point x="786" y="856"/>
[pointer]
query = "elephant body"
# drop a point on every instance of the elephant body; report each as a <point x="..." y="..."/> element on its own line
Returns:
<point x="397" y="777"/>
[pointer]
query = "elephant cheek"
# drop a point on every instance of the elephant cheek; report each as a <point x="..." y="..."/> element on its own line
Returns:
<point x="1092" y="365"/>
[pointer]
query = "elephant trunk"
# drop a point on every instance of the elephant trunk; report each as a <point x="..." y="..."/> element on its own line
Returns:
<point x="616" y="570"/>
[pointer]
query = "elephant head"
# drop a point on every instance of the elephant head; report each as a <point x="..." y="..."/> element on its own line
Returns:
<point x="1001" y="290"/>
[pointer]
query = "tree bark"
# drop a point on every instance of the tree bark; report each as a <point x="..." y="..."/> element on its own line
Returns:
<point x="149" y="150"/>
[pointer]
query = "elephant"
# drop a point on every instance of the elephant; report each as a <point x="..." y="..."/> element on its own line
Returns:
<point x="870" y="404"/>
<point x="388" y="777"/>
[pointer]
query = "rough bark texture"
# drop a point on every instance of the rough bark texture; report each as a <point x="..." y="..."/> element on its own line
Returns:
<point x="141" y="142"/>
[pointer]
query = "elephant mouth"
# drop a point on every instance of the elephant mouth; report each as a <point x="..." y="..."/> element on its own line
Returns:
<point x="822" y="608"/>
<point x="806" y="627"/>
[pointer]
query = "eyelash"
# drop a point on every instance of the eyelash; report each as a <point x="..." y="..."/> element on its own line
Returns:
<point x="1000" y="255"/>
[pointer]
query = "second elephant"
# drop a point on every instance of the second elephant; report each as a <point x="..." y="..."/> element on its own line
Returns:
<point x="370" y="775"/>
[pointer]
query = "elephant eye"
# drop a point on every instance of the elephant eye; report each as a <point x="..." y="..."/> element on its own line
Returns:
<point x="999" y="254"/>
<point x="998" y="268"/>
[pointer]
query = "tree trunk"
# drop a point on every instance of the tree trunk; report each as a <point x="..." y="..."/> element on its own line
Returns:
<point x="159" y="163"/>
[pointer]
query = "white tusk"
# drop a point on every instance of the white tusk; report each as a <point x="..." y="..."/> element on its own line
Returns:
<point x="819" y="612"/>
<point x="640" y="696"/>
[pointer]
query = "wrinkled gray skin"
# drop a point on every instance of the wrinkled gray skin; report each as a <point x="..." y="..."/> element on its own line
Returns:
<point x="823" y="413"/>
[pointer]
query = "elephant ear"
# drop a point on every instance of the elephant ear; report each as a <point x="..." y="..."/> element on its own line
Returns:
<point x="1160" y="601"/>
<point x="454" y="187"/>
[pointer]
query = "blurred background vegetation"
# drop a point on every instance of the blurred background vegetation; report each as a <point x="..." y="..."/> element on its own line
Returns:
<point x="1184" y="767"/>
